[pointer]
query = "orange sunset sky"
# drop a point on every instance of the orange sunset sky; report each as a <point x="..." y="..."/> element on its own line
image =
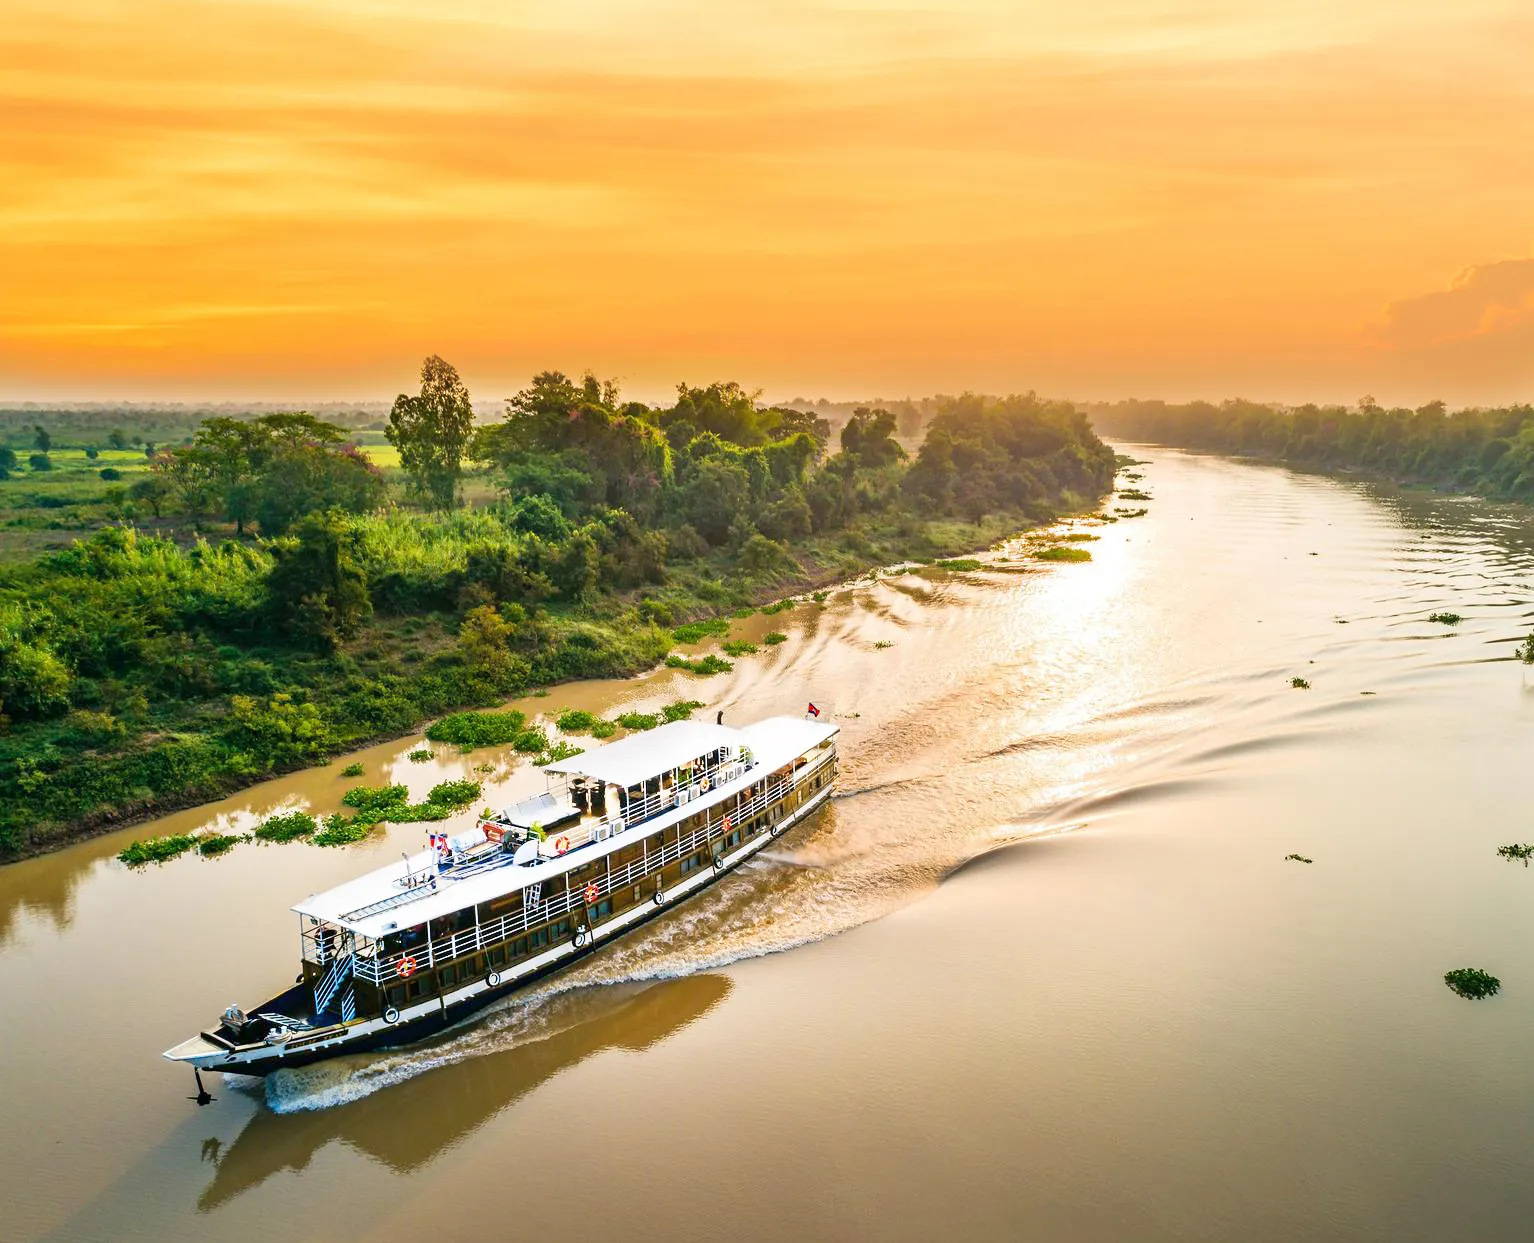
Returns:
<point x="1285" y="199"/>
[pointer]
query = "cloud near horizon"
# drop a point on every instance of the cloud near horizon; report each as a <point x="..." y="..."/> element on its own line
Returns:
<point x="255" y="199"/>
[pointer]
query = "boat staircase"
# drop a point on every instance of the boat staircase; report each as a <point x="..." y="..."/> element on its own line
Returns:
<point x="335" y="994"/>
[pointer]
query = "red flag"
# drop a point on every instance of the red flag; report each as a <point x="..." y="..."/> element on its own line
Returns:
<point x="814" y="711"/>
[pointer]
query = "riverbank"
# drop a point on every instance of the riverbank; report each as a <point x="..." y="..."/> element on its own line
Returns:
<point x="621" y="637"/>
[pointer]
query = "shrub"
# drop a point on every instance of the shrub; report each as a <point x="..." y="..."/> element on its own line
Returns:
<point x="638" y="720"/>
<point x="1523" y="852"/>
<point x="575" y="721"/>
<point x="355" y="769"/>
<point x="1472" y="982"/>
<point x="477" y="729"/>
<point x="40" y="461"/>
<point x="110" y="473"/>
<point x="156" y="849"/>
<point x="93" y="728"/>
<point x="773" y="639"/>
<point x="680" y="710"/>
<point x="287" y="827"/>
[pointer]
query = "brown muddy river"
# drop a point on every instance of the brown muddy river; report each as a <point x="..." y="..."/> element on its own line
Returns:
<point x="1041" y="971"/>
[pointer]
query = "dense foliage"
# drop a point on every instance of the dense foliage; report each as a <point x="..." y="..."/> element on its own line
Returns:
<point x="140" y="669"/>
<point x="1486" y="451"/>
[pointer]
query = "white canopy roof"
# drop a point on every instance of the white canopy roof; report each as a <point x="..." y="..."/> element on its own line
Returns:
<point x="641" y="756"/>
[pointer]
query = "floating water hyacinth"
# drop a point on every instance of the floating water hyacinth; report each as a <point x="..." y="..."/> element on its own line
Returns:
<point x="1298" y="859"/>
<point x="1522" y="851"/>
<point x="1472" y="983"/>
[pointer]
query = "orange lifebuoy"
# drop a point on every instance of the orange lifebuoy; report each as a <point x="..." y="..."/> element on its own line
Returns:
<point x="405" y="967"/>
<point x="561" y="844"/>
<point x="591" y="893"/>
<point x="727" y="825"/>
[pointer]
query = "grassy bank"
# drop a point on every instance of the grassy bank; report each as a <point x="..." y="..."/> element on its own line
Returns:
<point x="321" y="604"/>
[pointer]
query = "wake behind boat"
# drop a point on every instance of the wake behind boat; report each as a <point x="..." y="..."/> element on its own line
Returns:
<point x="623" y="832"/>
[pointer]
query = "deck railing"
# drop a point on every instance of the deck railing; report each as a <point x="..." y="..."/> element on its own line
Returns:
<point x="383" y="969"/>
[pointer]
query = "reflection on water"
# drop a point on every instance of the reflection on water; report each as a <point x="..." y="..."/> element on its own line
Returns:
<point x="460" y="1096"/>
<point x="1069" y="788"/>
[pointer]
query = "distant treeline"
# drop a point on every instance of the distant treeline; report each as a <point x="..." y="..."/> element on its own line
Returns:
<point x="1486" y="451"/>
<point x="139" y="672"/>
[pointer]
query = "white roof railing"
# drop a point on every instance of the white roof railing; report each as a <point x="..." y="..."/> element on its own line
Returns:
<point x="642" y="756"/>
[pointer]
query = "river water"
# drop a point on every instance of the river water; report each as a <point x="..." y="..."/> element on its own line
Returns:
<point x="1040" y="971"/>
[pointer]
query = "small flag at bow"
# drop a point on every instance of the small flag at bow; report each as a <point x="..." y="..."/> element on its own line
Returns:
<point x="813" y="711"/>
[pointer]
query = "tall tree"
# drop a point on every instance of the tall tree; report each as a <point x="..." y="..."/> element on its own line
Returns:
<point x="431" y="432"/>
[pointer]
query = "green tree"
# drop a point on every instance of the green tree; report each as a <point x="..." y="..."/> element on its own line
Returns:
<point x="431" y="432"/>
<point x="869" y="438"/>
<point x="40" y="461"/>
<point x="154" y="490"/>
<point x="317" y="591"/>
<point x="7" y="458"/>
<point x="485" y="639"/>
<point x="42" y="440"/>
<point x="117" y="438"/>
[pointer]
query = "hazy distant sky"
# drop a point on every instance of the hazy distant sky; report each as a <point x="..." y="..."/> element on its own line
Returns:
<point x="1273" y="198"/>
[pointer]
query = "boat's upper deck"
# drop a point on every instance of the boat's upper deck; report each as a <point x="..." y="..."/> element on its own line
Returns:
<point x="654" y="779"/>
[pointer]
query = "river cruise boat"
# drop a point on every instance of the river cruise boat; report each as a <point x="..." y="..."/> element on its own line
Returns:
<point x="623" y="832"/>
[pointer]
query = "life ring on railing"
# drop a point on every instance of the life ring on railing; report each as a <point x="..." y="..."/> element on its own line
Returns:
<point x="592" y="893"/>
<point x="561" y="844"/>
<point x="493" y="979"/>
<point x="728" y="825"/>
<point x="405" y="967"/>
<point x="703" y="783"/>
<point x="719" y="862"/>
<point x="660" y="897"/>
<point x="581" y="937"/>
<point x="391" y="1016"/>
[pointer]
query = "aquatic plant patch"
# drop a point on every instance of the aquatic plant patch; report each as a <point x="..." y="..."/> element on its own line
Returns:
<point x="680" y="710"/>
<point x="638" y="720"/>
<point x="1472" y="982"/>
<point x="422" y="755"/>
<point x="477" y="729"/>
<point x="1298" y="859"/>
<point x="1061" y="552"/>
<point x="1299" y="684"/>
<point x="355" y="769"/>
<point x="210" y="844"/>
<point x="1446" y="619"/>
<point x="739" y="647"/>
<point x="156" y="849"/>
<point x="1521" y="851"/>
<point x="882" y="644"/>
<point x="781" y="606"/>
<point x="559" y="751"/>
<point x="1134" y="494"/>
<point x="703" y="666"/>
<point x="575" y="721"/>
<point x="454" y="794"/>
<point x="773" y="639"/>
<point x="530" y="740"/>
<point x="339" y="831"/>
<point x="286" y="828"/>
<point x="603" y="730"/>
<point x="696" y="632"/>
<point x="960" y="564"/>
